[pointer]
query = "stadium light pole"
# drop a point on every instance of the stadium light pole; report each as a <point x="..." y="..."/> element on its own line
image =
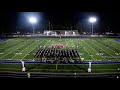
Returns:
<point x="33" y="20"/>
<point x="92" y="20"/>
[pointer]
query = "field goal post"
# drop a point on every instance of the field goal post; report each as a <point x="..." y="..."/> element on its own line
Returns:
<point x="23" y="65"/>
<point x="89" y="68"/>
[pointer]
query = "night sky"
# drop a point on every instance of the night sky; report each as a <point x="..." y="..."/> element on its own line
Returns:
<point x="10" y="20"/>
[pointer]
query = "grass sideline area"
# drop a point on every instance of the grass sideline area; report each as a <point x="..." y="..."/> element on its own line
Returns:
<point x="62" y="68"/>
<point x="91" y="49"/>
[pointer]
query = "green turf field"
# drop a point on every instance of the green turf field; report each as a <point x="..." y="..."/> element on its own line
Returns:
<point x="93" y="49"/>
<point x="62" y="68"/>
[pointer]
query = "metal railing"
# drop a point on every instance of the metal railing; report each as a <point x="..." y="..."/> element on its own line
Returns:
<point x="57" y="75"/>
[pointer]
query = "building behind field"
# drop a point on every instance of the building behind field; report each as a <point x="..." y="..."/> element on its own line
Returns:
<point x="61" y="32"/>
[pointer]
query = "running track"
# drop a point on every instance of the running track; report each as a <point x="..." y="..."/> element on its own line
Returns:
<point x="38" y="62"/>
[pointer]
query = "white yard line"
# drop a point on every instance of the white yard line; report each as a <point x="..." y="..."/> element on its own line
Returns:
<point x="12" y="51"/>
<point x="5" y="42"/>
<point x="66" y="43"/>
<point x="87" y="52"/>
<point x="8" y="45"/>
<point x="114" y="41"/>
<point x="28" y="52"/>
<point x="108" y="47"/>
<point x="53" y="42"/>
<point x="72" y="42"/>
<point x="47" y="42"/>
<point x="32" y="50"/>
<point x="105" y="51"/>
<point x="113" y="46"/>
<point x="21" y="51"/>
<point x="111" y="49"/>
<point x="94" y="49"/>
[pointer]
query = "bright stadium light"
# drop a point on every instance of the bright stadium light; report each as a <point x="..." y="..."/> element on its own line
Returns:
<point x="92" y="20"/>
<point x="33" y="20"/>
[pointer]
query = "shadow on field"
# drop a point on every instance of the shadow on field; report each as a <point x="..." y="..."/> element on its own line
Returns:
<point x="32" y="67"/>
<point x="35" y="66"/>
<point x="80" y="68"/>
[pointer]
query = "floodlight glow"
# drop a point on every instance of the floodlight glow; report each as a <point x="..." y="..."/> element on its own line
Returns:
<point x="92" y="19"/>
<point x="32" y="20"/>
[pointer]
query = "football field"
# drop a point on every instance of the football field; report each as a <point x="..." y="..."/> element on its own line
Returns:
<point x="91" y="49"/>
